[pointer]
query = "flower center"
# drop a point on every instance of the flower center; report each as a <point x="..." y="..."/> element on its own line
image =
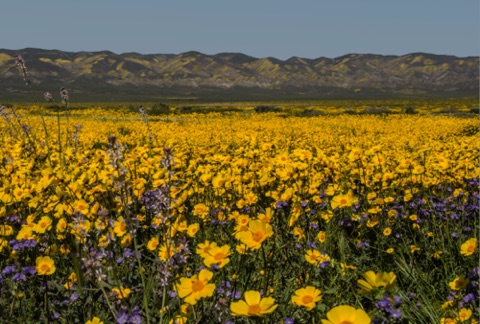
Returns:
<point x="471" y="248"/>
<point x="343" y="201"/>
<point x="257" y="236"/>
<point x="307" y="299"/>
<point x="219" y="256"/>
<point x="197" y="285"/>
<point x="254" y="309"/>
<point x="345" y="322"/>
<point x="44" y="267"/>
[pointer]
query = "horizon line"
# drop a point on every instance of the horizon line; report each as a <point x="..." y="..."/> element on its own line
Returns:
<point x="255" y="57"/>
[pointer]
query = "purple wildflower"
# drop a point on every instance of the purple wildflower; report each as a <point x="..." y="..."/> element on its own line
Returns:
<point x="8" y="270"/>
<point x="74" y="297"/>
<point x="469" y="298"/>
<point x="64" y="95"/>
<point x="29" y="271"/>
<point x="20" y="62"/>
<point x="48" y="96"/>
<point x="19" y="277"/>
<point x="363" y="244"/>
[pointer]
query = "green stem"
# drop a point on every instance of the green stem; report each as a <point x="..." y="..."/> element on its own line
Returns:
<point x="163" y="304"/>
<point x="108" y="302"/>
<point x="145" y="289"/>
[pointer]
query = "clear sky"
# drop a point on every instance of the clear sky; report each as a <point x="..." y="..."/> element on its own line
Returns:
<point x="260" y="28"/>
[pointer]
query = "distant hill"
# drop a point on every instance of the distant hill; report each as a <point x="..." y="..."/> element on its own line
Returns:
<point x="105" y="76"/>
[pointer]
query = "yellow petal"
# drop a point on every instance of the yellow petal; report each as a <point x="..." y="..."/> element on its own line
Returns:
<point x="267" y="305"/>
<point x="205" y="275"/>
<point x="252" y="297"/>
<point x="239" y="308"/>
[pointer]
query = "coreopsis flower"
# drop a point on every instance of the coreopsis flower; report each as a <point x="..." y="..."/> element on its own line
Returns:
<point x="218" y="255"/>
<point x="201" y="210"/>
<point x="192" y="229"/>
<point x="81" y="206"/>
<point x="196" y="287"/>
<point x="166" y="252"/>
<point x="316" y="258"/>
<point x="459" y="283"/>
<point x="464" y="314"/>
<point x="387" y="231"/>
<point x="44" y="224"/>
<point x="6" y="230"/>
<point x="267" y="216"/>
<point x="307" y="297"/>
<point x="204" y="248"/>
<point x="346" y="267"/>
<point x="253" y="305"/>
<point x="25" y="233"/>
<point x="120" y="227"/>
<point x="322" y="236"/>
<point x="414" y="248"/>
<point x="469" y="247"/>
<point x="241" y="249"/>
<point x="45" y="266"/>
<point x="152" y="244"/>
<point x="179" y="319"/>
<point x="126" y="240"/>
<point x="258" y="232"/>
<point x="341" y="201"/>
<point x="94" y="320"/>
<point x="345" y="314"/>
<point x="376" y="280"/>
<point x="121" y="292"/>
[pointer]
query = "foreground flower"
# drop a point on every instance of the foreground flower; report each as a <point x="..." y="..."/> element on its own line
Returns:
<point x="469" y="247"/>
<point x="253" y="305"/>
<point x="45" y="266"/>
<point x="197" y="287"/>
<point x="307" y="297"/>
<point x="218" y="255"/>
<point x="258" y="232"/>
<point x="376" y="280"/>
<point x="345" y="314"/>
<point x="94" y="320"/>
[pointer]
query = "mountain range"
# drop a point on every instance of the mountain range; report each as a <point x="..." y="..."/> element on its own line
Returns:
<point x="106" y="76"/>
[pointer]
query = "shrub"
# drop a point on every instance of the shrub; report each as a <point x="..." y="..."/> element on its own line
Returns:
<point x="267" y="108"/>
<point x="410" y="110"/>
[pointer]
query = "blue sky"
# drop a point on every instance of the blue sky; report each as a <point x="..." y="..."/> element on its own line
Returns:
<point x="305" y="28"/>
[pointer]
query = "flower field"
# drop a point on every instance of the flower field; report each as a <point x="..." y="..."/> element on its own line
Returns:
<point x="120" y="217"/>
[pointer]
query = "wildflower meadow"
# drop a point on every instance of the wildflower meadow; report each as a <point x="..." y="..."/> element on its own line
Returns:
<point x="114" y="216"/>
